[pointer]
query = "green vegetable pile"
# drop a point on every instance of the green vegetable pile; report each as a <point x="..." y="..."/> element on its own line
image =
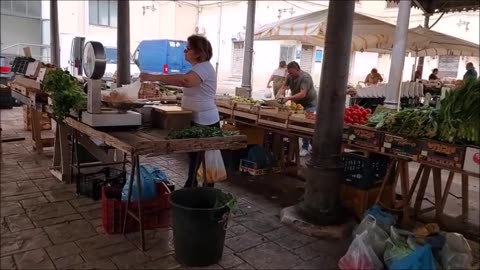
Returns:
<point x="410" y="123"/>
<point x="65" y="92"/>
<point x="200" y="132"/>
<point x="460" y="114"/>
<point x="225" y="200"/>
<point x="457" y="120"/>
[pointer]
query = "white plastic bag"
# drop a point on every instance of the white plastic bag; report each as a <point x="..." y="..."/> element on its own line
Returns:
<point x="216" y="171"/>
<point x="377" y="237"/>
<point x="360" y="255"/>
<point x="456" y="253"/>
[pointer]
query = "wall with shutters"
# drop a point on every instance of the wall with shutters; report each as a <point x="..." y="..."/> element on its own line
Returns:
<point x="448" y="66"/>
<point x="237" y="58"/>
<point x="307" y="55"/>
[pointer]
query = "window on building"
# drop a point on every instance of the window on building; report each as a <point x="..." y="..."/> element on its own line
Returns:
<point x="287" y="53"/>
<point x="103" y="12"/>
<point x="31" y="8"/>
<point x="392" y="4"/>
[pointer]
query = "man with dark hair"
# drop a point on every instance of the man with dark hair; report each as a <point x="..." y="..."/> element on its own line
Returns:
<point x="303" y="92"/>
<point x="471" y="72"/>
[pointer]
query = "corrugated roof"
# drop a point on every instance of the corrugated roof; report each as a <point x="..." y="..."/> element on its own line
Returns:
<point x="438" y="6"/>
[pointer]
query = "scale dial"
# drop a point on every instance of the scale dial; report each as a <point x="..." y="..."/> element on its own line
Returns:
<point x="94" y="60"/>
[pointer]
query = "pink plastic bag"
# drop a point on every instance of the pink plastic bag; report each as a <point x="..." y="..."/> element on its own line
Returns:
<point x="360" y="255"/>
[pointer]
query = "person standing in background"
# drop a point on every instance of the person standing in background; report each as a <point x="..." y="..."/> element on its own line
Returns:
<point x="471" y="72"/>
<point x="434" y="75"/>
<point x="278" y="77"/>
<point x="373" y="77"/>
<point x="418" y="73"/>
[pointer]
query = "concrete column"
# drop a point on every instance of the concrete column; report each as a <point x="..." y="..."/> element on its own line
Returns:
<point x="123" y="43"/>
<point x="54" y="35"/>
<point x="398" y="54"/>
<point x="248" y="55"/>
<point x="324" y="170"/>
<point x="421" y="60"/>
<point x="219" y="38"/>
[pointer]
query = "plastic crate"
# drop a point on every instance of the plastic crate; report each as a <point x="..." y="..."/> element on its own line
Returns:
<point x="90" y="185"/>
<point x="364" y="172"/>
<point x="155" y="212"/>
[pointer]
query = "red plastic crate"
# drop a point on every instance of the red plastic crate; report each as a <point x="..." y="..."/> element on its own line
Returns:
<point x="155" y="212"/>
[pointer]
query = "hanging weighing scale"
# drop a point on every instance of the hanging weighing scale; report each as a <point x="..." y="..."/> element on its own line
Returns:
<point x="94" y="63"/>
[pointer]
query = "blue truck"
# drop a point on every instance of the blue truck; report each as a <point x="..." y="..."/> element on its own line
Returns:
<point x="161" y="56"/>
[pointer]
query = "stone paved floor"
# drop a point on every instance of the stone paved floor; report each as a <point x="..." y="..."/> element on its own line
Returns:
<point x="45" y="226"/>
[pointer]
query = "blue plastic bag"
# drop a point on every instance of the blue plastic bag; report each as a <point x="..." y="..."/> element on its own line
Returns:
<point x="383" y="219"/>
<point x="147" y="183"/>
<point x="159" y="176"/>
<point x="421" y="259"/>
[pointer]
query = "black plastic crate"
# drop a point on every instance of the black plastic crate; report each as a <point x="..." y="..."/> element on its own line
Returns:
<point x="6" y="101"/>
<point x="90" y="184"/>
<point x="364" y="172"/>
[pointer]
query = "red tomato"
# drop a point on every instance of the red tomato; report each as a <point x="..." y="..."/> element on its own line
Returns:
<point x="369" y="111"/>
<point x="349" y="119"/>
<point x="356" y="106"/>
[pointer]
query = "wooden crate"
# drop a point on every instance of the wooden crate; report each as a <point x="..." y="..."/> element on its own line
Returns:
<point x="441" y="154"/>
<point x="365" y="137"/>
<point x="400" y="146"/>
<point x="223" y="102"/>
<point x="244" y="115"/>
<point x="45" y="122"/>
<point x="299" y="122"/>
<point x="170" y="117"/>
<point x="358" y="200"/>
<point x="273" y="118"/>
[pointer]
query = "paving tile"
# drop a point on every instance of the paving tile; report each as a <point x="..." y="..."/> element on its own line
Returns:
<point x="229" y="261"/>
<point x="70" y="260"/>
<point x="259" y="222"/>
<point x="89" y="207"/>
<point x="58" y="220"/>
<point x="294" y="240"/>
<point x="7" y="262"/>
<point x="130" y="259"/>
<point x="244" y="266"/>
<point x="70" y="231"/>
<point x="168" y="262"/>
<point x="108" y="251"/>
<point x="244" y="241"/>
<point x="16" y="242"/>
<point x="160" y="240"/>
<point x="63" y="250"/>
<point x="238" y="229"/>
<point x="34" y="259"/>
<point x="93" y="214"/>
<point x="3" y="226"/>
<point x="21" y="197"/>
<point x="100" y="264"/>
<point x="11" y="208"/>
<point x="322" y="262"/>
<point x="332" y="248"/>
<point x="269" y="256"/>
<point x="96" y="222"/>
<point x="59" y="195"/>
<point x="19" y="222"/>
<point x="33" y="201"/>
<point x="51" y="210"/>
<point x="81" y="202"/>
<point x="280" y="233"/>
<point x="99" y="241"/>
<point x="52" y="184"/>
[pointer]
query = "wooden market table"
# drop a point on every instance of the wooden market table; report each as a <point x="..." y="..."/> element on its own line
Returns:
<point x="398" y="167"/>
<point x="151" y="142"/>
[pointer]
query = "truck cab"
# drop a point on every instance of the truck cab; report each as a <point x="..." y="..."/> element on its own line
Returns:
<point x="161" y="56"/>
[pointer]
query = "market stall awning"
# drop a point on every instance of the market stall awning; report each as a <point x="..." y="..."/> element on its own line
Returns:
<point x="439" y="6"/>
<point x="369" y="34"/>
<point x="442" y="44"/>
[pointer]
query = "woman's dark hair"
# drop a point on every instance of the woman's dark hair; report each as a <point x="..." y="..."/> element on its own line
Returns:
<point x="434" y="70"/>
<point x="293" y="64"/>
<point x="202" y="46"/>
<point x="374" y="70"/>
<point x="282" y="64"/>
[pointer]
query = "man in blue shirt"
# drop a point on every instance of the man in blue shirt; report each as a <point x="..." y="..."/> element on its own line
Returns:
<point x="471" y="72"/>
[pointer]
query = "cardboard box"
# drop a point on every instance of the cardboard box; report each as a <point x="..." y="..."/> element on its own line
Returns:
<point x="472" y="160"/>
<point x="446" y="155"/>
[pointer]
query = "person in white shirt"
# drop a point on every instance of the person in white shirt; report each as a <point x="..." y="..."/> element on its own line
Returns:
<point x="278" y="77"/>
<point x="199" y="90"/>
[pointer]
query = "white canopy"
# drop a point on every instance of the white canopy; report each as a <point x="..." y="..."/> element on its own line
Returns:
<point x="441" y="44"/>
<point x="369" y="34"/>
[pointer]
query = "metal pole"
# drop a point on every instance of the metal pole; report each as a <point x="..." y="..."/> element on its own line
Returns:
<point x="324" y="171"/>
<point x="219" y="39"/>
<point x="123" y="43"/>
<point x="425" y="24"/>
<point x="54" y="36"/>
<point x="398" y="54"/>
<point x="248" y="54"/>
